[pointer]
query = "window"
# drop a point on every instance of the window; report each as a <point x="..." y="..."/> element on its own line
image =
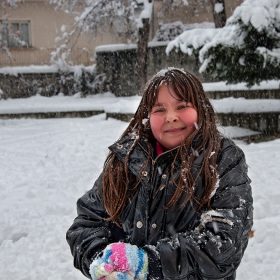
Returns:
<point x="16" y="34"/>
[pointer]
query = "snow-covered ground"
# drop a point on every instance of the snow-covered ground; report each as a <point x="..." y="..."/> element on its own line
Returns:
<point x="46" y="165"/>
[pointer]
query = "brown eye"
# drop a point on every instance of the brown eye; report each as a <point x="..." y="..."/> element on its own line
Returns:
<point x="182" y="107"/>
<point x="160" y="110"/>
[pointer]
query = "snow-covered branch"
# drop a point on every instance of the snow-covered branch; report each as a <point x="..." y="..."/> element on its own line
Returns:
<point x="245" y="49"/>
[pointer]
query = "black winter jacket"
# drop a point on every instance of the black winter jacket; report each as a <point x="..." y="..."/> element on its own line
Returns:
<point x="181" y="242"/>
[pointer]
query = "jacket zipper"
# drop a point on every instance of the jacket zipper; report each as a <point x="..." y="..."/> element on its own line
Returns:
<point x="154" y="160"/>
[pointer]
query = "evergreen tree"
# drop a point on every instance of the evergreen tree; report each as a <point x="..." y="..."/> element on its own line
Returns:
<point x="247" y="49"/>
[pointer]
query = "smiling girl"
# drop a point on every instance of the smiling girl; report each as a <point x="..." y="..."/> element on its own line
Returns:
<point x="174" y="199"/>
<point x="171" y="119"/>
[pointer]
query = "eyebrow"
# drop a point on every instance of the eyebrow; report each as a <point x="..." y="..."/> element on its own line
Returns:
<point x="158" y="104"/>
<point x="161" y="104"/>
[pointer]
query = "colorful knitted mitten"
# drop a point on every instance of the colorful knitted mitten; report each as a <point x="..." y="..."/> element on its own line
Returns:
<point x="120" y="261"/>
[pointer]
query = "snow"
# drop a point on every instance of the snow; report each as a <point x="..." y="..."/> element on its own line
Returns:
<point x="47" y="164"/>
<point x="219" y="7"/>
<point x="54" y="68"/>
<point x="123" y="47"/>
<point x="242" y="105"/>
<point x="261" y="14"/>
<point x="222" y="86"/>
<point x="169" y="31"/>
<point x="146" y="13"/>
<point x="115" y="47"/>
<point x="110" y="103"/>
<point x="192" y="39"/>
<point x="60" y="103"/>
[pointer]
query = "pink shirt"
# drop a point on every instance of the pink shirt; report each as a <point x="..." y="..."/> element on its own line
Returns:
<point x="159" y="149"/>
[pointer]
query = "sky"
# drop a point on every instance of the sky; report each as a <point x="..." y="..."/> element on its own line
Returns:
<point x="47" y="164"/>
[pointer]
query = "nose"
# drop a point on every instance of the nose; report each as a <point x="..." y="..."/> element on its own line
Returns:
<point x="172" y="118"/>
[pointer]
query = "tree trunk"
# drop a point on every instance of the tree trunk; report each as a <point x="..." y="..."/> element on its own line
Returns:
<point x="142" y="53"/>
<point x="219" y="16"/>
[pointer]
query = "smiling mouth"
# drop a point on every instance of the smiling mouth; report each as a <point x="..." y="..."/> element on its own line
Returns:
<point x="175" y="130"/>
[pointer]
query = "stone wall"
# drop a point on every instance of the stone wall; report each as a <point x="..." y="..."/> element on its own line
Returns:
<point x="52" y="115"/>
<point x="116" y="71"/>
<point x="265" y="122"/>
<point x="49" y="83"/>
<point x="120" y="66"/>
<point x="28" y="84"/>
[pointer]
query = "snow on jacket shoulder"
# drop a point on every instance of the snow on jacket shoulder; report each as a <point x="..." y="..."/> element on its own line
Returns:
<point x="181" y="243"/>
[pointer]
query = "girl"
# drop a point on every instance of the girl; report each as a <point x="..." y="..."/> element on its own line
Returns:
<point x="174" y="199"/>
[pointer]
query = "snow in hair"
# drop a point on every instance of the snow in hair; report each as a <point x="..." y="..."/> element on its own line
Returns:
<point x="162" y="72"/>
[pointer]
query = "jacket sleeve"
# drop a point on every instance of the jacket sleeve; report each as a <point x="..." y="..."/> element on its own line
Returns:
<point x="215" y="246"/>
<point x="90" y="233"/>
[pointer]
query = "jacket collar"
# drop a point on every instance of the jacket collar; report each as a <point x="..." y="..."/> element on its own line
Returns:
<point x="139" y="154"/>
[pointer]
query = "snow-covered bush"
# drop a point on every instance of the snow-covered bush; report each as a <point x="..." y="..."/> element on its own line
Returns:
<point x="170" y="31"/>
<point x="87" y="81"/>
<point x="247" y="49"/>
<point x="21" y="82"/>
<point x="191" y="41"/>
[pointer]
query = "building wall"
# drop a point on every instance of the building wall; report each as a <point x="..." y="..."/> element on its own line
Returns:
<point x="45" y="26"/>
<point x="192" y="13"/>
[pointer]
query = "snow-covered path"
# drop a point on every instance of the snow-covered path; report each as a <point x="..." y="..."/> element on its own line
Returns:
<point x="46" y="165"/>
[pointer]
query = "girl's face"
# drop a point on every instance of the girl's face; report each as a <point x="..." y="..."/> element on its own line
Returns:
<point x="171" y="120"/>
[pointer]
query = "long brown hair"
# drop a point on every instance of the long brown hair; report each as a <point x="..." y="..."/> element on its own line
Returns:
<point x="205" y="139"/>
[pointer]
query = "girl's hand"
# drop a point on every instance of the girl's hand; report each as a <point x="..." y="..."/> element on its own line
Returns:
<point x="118" y="276"/>
<point x="120" y="261"/>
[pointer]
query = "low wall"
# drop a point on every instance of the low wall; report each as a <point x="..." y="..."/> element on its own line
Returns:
<point x="29" y="84"/>
<point x="266" y="123"/>
<point x="49" y="84"/>
<point x="17" y="82"/>
<point x="119" y="63"/>
<point x="51" y="115"/>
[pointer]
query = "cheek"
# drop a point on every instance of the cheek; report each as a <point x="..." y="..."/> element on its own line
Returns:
<point x="156" y="123"/>
<point x="190" y="117"/>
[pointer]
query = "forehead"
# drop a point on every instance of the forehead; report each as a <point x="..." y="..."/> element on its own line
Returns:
<point x="166" y="93"/>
